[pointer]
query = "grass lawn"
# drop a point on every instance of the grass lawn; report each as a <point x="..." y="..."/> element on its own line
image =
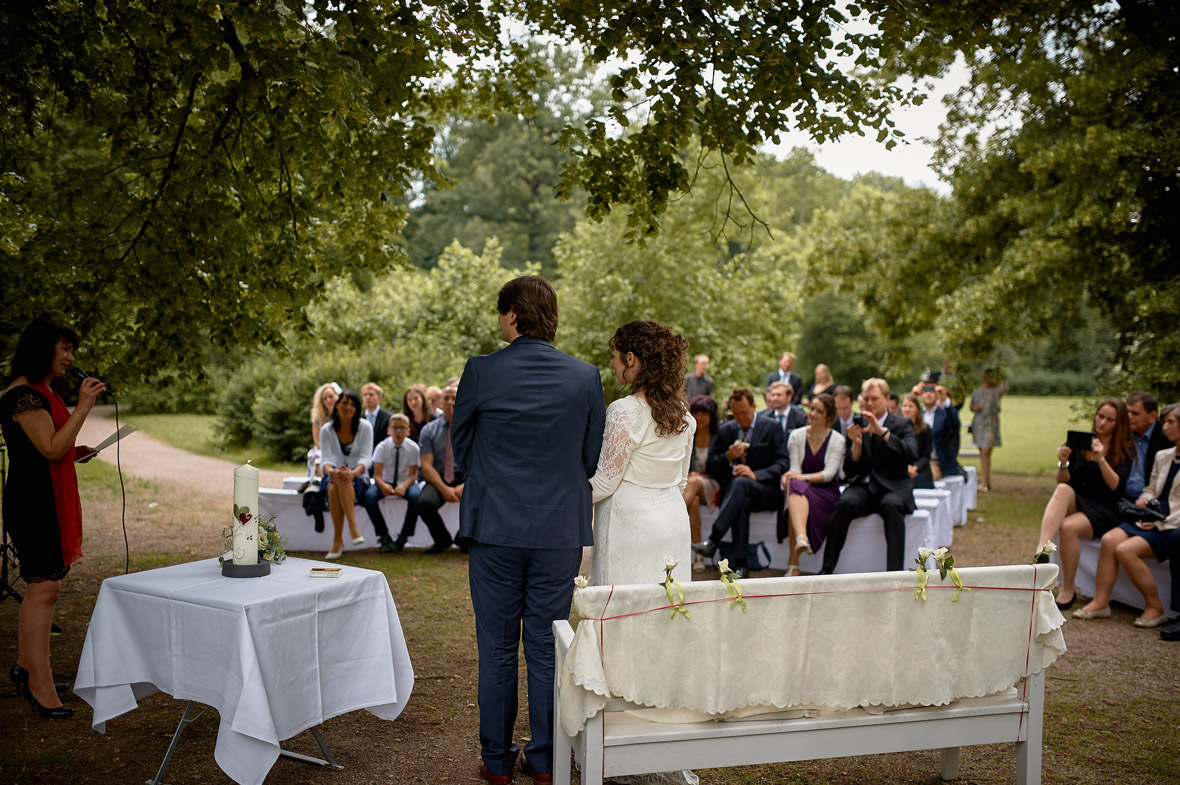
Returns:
<point x="1030" y="431"/>
<point x="198" y="433"/>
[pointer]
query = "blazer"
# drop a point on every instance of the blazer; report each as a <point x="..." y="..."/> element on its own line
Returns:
<point x="887" y="464"/>
<point x="380" y="430"/>
<point x="526" y="433"/>
<point x="796" y="418"/>
<point x="1155" y="487"/>
<point x="946" y="437"/>
<point x="797" y="449"/>
<point x="793" y="379"/>
<point x="1156" y="443"/>
<point x="361" y="451"/>
<point x="767" y="455"/>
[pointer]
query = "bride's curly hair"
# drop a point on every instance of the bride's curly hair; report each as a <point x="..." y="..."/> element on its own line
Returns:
<point x="662" y="356"/>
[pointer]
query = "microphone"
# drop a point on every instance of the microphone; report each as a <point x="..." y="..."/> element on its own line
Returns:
<point x="79" y="374"/>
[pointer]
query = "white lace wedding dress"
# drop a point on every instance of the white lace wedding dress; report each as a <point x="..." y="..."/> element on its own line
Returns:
<point x="639" y="514"/>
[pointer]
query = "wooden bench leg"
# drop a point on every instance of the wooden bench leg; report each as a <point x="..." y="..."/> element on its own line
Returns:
<point x="561" y="742"/>
<point x="950" y="763"/>
<point x="1028" y="751"/>
<point x="592" y="743"/>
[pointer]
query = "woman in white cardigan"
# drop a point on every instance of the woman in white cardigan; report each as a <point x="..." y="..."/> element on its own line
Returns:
<point x="1129" y="544"/>
<point x="812" y="485"/>
<point x="346" y="442"/>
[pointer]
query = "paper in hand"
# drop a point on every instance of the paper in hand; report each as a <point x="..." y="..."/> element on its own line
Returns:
<point x="123" y="432"/>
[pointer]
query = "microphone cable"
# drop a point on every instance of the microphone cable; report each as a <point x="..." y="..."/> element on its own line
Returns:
<point x="79" y="374"/>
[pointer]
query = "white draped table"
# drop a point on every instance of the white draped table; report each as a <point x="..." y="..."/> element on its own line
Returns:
<point x="275" y="655"/>
<point x="836" y="641"/>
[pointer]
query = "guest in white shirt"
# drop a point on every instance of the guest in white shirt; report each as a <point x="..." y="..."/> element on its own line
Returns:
<point x="395" y="470"/>
<point x="347" y="444"/>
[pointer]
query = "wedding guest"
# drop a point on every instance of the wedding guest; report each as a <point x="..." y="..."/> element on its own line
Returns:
<point x="322" y="404"/>
<point x="1148" y="437"/>
<point x="842" y="395"/>
<point x="985" y="425"/>
<point x="698" y="382"/>
<point x="444" y="483"/>
<point x="42" y="510"/>
<point x="375" y="413"/>
<point x="812" y="485"/>
<point x="893" y="403"/>
<point x="823" y="384"/>
<point x="347" y="442"/>
<point x="875" y="464"/>
<point x="701" y="488"/>
<point x="747" y="457"/>
<point x="941" y="417"/>
<point x="395" y="473"/>
<point x="414" y="407"/>
<point x="434" y="401"/>
<point x="1085" y="503"/>
<point x="1130" y="543"/>
<point x="919" y="470"/>
<point x="785" y="375"/>
<point x="779" y="408"/>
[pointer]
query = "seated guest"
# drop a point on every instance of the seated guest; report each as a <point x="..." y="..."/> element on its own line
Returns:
<point x="1085" y="503"/>
<point x="322" y="404"/>
<point x="892" y="403"/>
<point x="347" y="442"/>
<point x="375" y="413"/>
<point x="812" y="485"/>
<point x="698" y="383"/>
<point x="434" y="401"/>
<point x="780" y="409"/>
<point x="842" y="395"/>
<point x="443" y="482"/>
<point x="747" y="457"/>
<point x="1130" y="543"/>
<point x="785" y="375"/>
<point x="876" y="463"/>
<point x="1172" y="551"/>
<point x="700" y="488"/>
<point x="1147" y="434"/>
<point x="941" y="417"/>
<point x="823" y="384"/>
<point x="919" y="470"/>
<point x="395" y="473"/>
<point x="414" y="407"/>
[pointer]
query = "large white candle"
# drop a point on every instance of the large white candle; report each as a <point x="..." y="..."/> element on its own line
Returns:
<point x="245" y="526"/>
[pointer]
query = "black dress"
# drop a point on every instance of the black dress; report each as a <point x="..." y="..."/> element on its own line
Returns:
<point x="925" y="478"/>
<point x="1096" y="500"/>
<point x="30" y="509"/>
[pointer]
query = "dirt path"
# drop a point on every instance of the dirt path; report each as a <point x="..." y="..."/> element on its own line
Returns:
<point x="150" y="459"/>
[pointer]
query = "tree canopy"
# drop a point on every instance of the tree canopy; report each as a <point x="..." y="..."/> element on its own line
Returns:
<point x="189" y="173"/>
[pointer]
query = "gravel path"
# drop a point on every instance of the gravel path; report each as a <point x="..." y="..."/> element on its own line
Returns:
<point x="150" y="459"/>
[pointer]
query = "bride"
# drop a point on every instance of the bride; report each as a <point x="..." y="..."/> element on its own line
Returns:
<point x="639" y="512"/>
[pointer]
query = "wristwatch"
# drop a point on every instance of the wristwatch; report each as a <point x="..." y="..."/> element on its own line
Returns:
<point x="1062" y="465"/>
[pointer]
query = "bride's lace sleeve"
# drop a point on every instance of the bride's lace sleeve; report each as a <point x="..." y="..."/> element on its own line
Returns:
<point x="617" y="443"/>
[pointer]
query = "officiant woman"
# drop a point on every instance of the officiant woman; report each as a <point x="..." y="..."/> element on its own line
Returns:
<point x="42" y="510"/>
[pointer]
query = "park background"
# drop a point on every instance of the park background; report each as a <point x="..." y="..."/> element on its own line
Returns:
<point x="234" y="203"/>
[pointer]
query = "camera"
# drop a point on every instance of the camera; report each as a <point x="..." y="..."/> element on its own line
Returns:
<point x="928" y="388"/>
<point x="859" y="420"/>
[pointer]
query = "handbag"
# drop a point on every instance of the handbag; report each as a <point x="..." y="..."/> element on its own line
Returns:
<point x="1129" y="512"/>
<point x="757" y="557"/>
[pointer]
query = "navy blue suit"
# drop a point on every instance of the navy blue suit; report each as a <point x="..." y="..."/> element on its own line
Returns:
<point x="946" y="433"/>
<point x="526" y="434"/>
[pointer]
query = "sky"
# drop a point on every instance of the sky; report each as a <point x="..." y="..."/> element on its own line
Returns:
<point x="860" y="154"/>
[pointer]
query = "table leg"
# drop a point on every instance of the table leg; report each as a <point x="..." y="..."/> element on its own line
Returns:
<point x="185" y="719"/>
<point x="329" y="763"/>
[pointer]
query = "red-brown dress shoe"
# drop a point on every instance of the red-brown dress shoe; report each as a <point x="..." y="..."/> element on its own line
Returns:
<point x="495" y="779"/>
<point x="526" y="768"/>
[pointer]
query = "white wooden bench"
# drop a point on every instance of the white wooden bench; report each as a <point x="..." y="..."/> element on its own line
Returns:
<point x="596" y="665"/>
<point x="1124" y="591"/>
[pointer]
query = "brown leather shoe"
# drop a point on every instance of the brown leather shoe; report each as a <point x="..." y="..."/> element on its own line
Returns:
<point x="526" y="768"/>
<point x="495" y="779"/>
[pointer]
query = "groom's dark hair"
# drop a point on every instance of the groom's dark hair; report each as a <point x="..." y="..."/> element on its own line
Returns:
<point x="534" y="302"/>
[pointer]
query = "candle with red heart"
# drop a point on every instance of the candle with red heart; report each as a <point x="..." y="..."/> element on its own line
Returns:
<point x="245" y="521"/>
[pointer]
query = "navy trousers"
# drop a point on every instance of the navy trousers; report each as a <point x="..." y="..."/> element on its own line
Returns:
<point x="742" y="497"/>
<point x="856" y="502"/>
<point x="518" y="593"/>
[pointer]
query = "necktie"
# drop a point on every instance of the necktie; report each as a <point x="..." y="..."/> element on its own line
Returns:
<point x="397" y="457"/>
<point x="449" y="460"/>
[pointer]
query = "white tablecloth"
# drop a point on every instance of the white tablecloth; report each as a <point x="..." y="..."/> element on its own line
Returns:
<point x="837" y="641"/>
<point x="274" y="655"/>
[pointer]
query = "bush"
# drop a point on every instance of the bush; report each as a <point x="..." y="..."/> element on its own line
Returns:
<point x="169" y="394"/>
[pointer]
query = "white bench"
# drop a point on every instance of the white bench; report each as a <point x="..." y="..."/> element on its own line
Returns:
<point x="864" y="550"/>
<point x="989" y="640"/>
<point x="1124" y="591"/>
<point x="286" y="504"/>
<point x="942" y="514"/>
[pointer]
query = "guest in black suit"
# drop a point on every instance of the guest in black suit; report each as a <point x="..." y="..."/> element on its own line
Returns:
<point x="747" y="457"/>
<point x="780" y="409"/>
<point x="787" y="376"/>
<point x="377" y="415"/>
<point x="876" y="465"/>
<point x="1147" y="434"/>
<point x="843" y="398"/>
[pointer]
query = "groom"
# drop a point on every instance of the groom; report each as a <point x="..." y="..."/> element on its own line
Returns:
<point x="526" y="433"/>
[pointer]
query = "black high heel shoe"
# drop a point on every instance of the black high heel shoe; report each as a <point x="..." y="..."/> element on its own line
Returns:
<point x="20" y="678"/>
<point x="59" y="713"/>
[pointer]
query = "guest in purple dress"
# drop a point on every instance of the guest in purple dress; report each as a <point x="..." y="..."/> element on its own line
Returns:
<point x="812" y="485"/>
